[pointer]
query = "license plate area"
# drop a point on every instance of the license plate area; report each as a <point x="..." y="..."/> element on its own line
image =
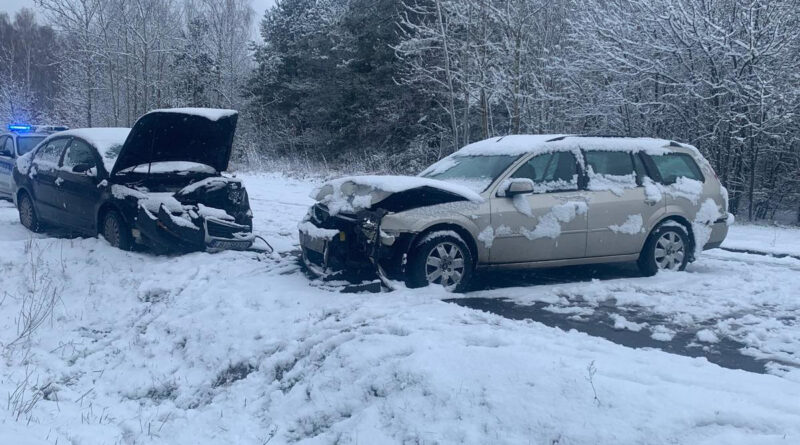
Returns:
<point x="316" y="244"/>
<point x="229" y="244"/>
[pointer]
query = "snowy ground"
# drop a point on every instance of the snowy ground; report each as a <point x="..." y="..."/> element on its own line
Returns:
<point x="242" y="348"/>
<point x="776" y="240"/>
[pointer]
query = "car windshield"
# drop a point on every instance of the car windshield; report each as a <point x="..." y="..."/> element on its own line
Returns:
<point x="475" y="172"/>
<point x="27" y="143"/>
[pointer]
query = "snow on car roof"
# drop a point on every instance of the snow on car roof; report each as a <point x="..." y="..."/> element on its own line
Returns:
<point x="212" y="114"/>
<point x="513" y="145"/>
<point x="516" y="145"/>
<point x="104" y="139"/>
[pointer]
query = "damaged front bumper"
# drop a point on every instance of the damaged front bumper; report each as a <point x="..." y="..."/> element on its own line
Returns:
<point x="352" y="246"/>
<point x="164" y="230"/>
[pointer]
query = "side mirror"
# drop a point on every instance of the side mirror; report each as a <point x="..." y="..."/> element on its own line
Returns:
<point x="81" y="168"/>
<point x="6" y="153"/>
<point x="519" y="186"/>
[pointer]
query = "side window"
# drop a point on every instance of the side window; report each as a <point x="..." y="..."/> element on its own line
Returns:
<point x="613" y="163"/>
<point x="672" y="166"/>
<point x="79" y="152"/>
<point x="610" y="170"/>
<point x="6" y="146"/>
<point x="550" y="172"/>
<point x="48" y="156"/>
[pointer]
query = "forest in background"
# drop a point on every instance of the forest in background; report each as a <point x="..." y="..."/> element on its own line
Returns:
<point x="393" y="85"/>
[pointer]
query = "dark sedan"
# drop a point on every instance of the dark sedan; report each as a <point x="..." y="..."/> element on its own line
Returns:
<point x="158" y="184"/>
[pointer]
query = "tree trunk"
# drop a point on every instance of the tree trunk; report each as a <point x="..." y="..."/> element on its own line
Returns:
<point x="449" y="75"/>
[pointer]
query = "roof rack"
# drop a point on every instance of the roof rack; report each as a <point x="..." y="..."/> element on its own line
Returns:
<point x="602" y="136"/>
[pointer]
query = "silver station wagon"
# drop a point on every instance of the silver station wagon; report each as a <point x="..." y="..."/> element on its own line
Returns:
<point x="521" y="201"/>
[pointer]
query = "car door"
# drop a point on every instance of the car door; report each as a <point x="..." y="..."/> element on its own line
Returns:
<point x="619" y="211"/>
<point x="76" y="183"/>
<point x="6" y="164"/>
<point x="44" y="178"/>
<point x="548" y="224"/>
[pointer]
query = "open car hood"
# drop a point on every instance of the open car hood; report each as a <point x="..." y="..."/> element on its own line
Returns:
<point x="200" y="135"/>
<point x="391" y="193"/>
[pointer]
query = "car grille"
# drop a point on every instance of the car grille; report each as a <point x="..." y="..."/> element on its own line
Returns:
<point x="315" y="257"/>
<point x="218" y="229"/>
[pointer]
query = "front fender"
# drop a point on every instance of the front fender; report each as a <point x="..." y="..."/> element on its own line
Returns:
<point x="471" y="217"/>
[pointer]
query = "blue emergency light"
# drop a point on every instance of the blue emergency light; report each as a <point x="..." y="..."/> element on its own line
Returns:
<point x="19" y="127"/>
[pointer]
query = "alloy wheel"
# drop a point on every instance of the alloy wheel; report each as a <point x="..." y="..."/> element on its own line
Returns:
<point x="26" y="212"/>
<point x="111" y="231"/>
<point x="670" y="251"/>
<point x="445" y="265"/>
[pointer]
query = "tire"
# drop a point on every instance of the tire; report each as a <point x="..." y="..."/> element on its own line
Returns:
<point x="427" y="257"/>
<point x="667" y="248"/>
<point x="116" y="231"/>
<point x="27" y="214"/>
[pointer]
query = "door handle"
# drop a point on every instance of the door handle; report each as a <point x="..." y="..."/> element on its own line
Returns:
<point x="59" y="181"/>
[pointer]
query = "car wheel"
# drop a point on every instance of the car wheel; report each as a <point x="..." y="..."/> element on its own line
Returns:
<point x="441" y="258"/>
<point x="667" y="248"/>
<point x="116" y="231"/>
<point x="27" y="214"/>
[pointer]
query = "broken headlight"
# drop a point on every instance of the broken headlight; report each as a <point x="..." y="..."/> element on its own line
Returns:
<point x="236" y="194"/>
<point x="370" y="230"/>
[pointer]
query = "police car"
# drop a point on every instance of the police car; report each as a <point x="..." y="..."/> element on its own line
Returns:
<point x="19" y="139"/>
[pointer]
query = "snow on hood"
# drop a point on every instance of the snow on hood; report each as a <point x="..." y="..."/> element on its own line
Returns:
<point x="203" y="136"/>
<point x="354" y="193"/>
<point x="212" y="114"/>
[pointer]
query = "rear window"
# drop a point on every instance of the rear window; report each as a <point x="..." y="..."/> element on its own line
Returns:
<point x="27" y="143"/>
<point x="672" y="166"/>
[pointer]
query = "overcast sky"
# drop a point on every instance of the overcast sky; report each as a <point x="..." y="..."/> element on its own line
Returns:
<point x="12" y="6"/>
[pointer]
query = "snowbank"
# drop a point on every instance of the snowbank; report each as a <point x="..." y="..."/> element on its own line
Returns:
<point x="770" y="239"/>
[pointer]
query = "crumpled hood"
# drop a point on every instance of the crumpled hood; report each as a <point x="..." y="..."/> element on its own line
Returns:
<point x="391" y="193"/>
<point x="201" y="135"/>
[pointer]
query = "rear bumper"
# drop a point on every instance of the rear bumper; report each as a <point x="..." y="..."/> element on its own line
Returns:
<point x="165" y="231"/>
<point x="719" y="230"/>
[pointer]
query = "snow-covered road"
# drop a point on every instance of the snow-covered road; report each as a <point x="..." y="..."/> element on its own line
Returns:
<point x="242" y="348"/>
